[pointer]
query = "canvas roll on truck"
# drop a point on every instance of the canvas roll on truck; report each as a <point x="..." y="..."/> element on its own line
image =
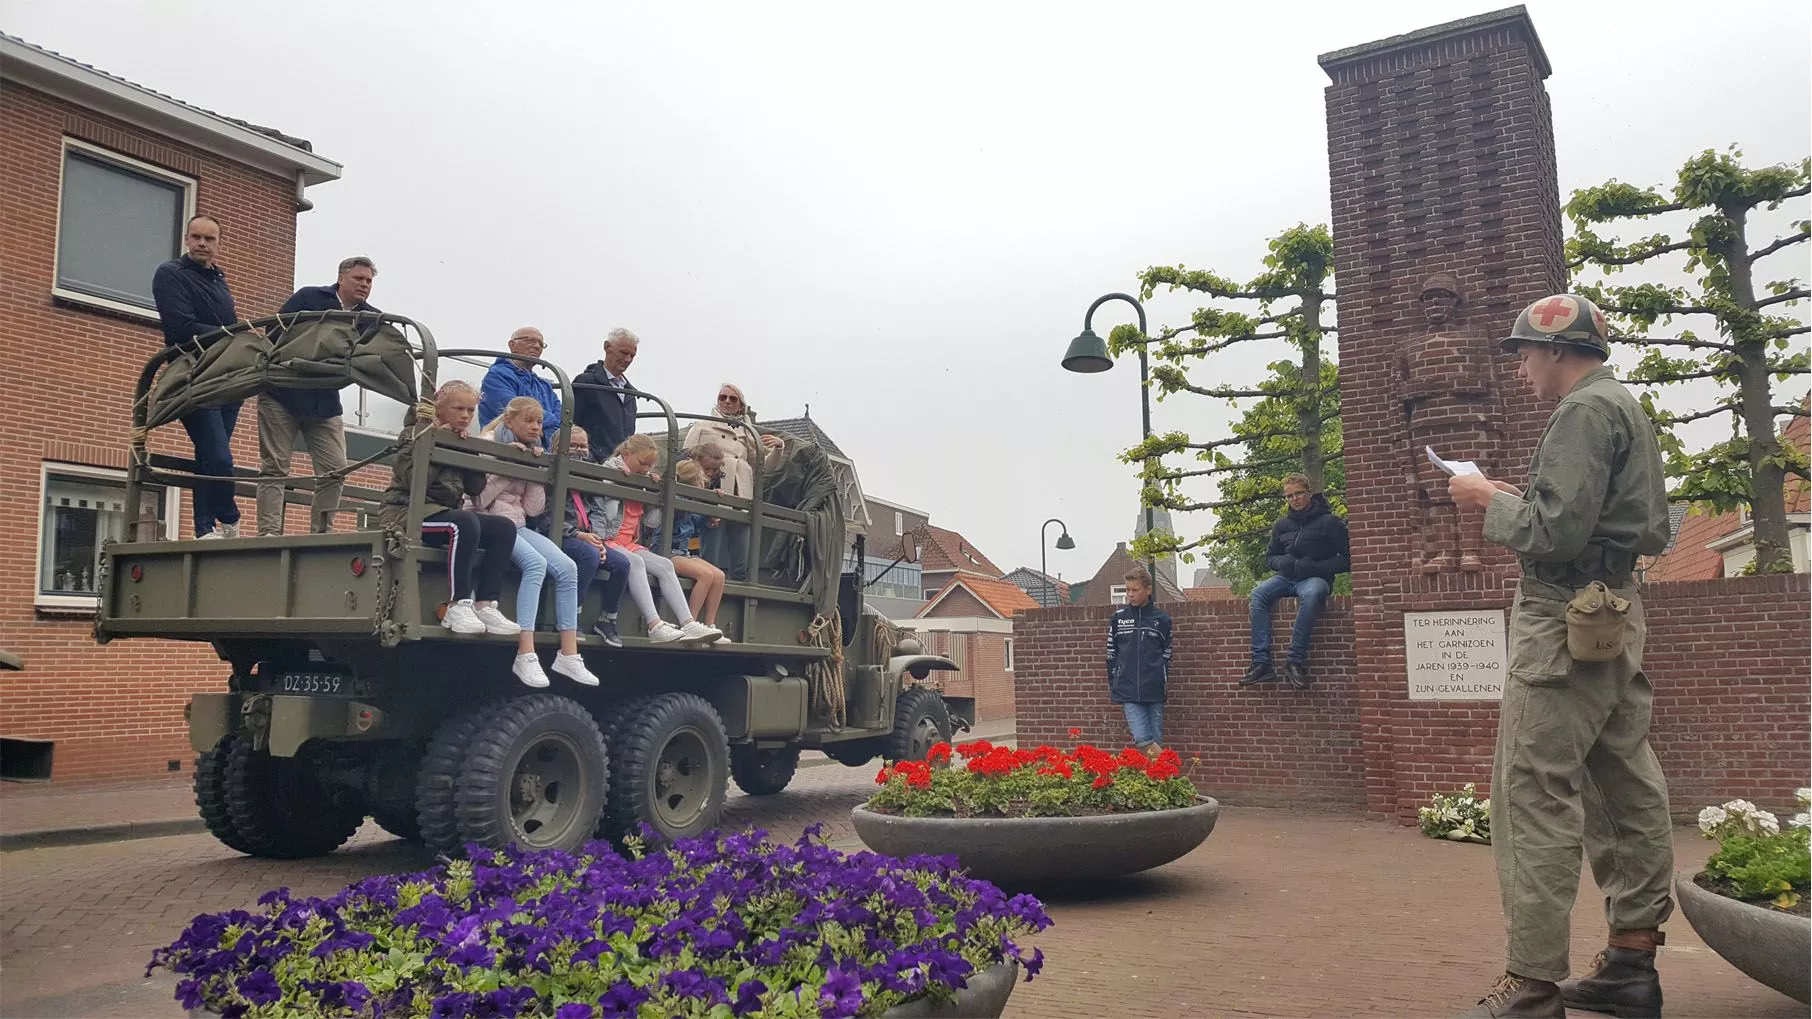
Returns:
<point x="344" y="698"/>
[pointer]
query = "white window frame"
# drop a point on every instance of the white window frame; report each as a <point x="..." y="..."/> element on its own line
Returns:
<point x="85" y="602"/>
<point x="1009" y="653"/>
<point x="1116" y="595"/>
<point x="899" y="524"/>
<point x="125" y="162"/>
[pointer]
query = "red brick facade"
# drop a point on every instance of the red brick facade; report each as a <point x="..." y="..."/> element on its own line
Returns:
<point x="1731" y="661"/>
<point x="984" y="675"/>
<point x="114" y="712"/>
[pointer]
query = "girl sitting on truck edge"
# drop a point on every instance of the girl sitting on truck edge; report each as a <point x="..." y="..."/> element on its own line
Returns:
<point x="535" y="554"/>
<point x="448" y="524"/>
<point x="619" y="522"/>
<point x="707" y="580"/>
<point x="614" y="562"/>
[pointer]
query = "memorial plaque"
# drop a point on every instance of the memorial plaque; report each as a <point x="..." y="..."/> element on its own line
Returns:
<point x="1456" y="656"/>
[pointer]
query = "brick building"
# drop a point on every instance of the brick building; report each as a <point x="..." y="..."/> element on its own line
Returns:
<point x="971" y="620"/>
<point x="101" y="176"/>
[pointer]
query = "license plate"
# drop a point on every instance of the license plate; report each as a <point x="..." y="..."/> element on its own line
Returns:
<point x="327" y="684"/>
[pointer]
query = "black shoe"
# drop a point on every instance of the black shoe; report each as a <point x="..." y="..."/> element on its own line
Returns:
<point x="1623" y="983"/>
<point x="1297" y="675"/>
<point x="1257" y="673"/>
<point x="607" y="631"/>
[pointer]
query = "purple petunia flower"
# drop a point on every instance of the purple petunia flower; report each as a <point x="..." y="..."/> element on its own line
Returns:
<point x="259" y="987"/>
<point x="575" y="1010"/>
<point x="622" y="1000"/>
<point x="472" y="955"/>
<point x="748" y="997"/>
<point x="842" y="994"/>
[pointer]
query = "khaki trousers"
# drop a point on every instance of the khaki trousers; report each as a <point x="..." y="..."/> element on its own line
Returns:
<point x="326" y="438"/>
<point x="1575" y="771"/>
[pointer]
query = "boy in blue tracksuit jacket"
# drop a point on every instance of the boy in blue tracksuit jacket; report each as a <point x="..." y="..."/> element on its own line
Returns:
<point x="1138" y="661"/>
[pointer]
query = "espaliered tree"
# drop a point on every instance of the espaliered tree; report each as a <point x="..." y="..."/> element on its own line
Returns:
<point x="1743" y="343"/>
<point x="1293" y="427"/>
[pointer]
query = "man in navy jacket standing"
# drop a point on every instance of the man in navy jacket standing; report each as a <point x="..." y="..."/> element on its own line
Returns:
<point x="314" y="414"/>
<point x="1308" y="549"/>
<point x="192" y="299"/>
<point x="1138" y="661"/>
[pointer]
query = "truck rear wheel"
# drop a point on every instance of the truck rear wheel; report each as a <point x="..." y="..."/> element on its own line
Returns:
<point x="671" y="758"/>
<point x="282" y="809"/>
<point x="210" y="794"/>
<point x="763" y="772"/>
<point x="535" y="775"/>
<point x="438" y="780"/>
<point x="404" y="824"/>
<point x="920" y="719"/>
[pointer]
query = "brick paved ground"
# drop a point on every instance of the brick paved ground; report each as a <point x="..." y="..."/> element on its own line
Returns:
<point x="1281" y="913"/>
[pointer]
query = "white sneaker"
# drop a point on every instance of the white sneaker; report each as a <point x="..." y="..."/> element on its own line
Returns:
<point x="723" y="640"/>
<point x="460" y="618"/>
<point x="573" y="668"/>
<point x="226" y="530"/>
<point x="211" y="535"/>
<point x="698" y="632"/>
<point x="664" y="632"/>
<point x="528" y="669"/>
<point x="495" y="621"/>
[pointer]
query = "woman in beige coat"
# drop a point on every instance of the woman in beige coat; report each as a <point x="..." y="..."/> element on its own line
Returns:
<point x="726" y="545"/>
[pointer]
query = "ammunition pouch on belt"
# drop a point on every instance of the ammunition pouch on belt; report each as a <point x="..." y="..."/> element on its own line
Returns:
<point x="1596" y="622"/>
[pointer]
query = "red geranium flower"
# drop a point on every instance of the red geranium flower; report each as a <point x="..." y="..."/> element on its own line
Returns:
<point x="1074" y="732"/>
<point x="1103" y="781"/>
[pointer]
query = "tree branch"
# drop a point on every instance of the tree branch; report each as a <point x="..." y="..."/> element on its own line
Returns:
<point x="1231" y="394"/>
<point x="1669" y="378"/>
<point x="1678" y="309"/>
<point x="1236" y="440"/>
<point x="1791" y="295"/>
<point x="1761" y="253"/>
<point x="1714" y="412"/>
<point x="1650" y="341"/>
<point x="1630" y="259"/>
<point x="1798" y="412"/>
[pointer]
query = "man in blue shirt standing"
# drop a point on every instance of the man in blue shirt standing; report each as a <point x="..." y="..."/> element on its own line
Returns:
<point x="315" y="414"/>
<point x="509" y="378"/>
<point x="193" y="299"/>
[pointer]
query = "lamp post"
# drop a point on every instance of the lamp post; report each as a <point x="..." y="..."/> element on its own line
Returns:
<point x="1064" y="543"/>
<point x="1088" y="355"/>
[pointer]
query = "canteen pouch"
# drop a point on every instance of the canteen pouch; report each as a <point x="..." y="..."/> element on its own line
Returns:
<point x="1596" y="622"/>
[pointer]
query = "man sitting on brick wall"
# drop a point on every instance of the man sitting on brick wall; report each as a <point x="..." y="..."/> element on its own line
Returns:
<point x="1308" y="550"/>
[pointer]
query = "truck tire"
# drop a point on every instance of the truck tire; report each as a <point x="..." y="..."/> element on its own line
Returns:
<point x="210" y="794"/>
<point x="281" y="809"/>
<point x="920" y="719"/>
<point x="672" y="762"/>
<point x="611" y="722"/>
<point x="763" y="772"/>
<point x="857" y="752"/>
<point x="535" y="775"/>
<point x="436" y="782"/>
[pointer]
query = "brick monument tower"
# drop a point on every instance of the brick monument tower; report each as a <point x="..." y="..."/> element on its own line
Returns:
<point x="1446" y="224"/>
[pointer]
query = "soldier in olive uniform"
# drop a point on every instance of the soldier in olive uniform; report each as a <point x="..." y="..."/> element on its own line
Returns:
<point x="1574" y="767"/>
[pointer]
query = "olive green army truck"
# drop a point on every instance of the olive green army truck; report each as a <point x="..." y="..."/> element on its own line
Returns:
<point x="344" y="698"/>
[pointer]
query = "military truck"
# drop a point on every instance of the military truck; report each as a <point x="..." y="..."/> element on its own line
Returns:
<point x="345" y="698"/>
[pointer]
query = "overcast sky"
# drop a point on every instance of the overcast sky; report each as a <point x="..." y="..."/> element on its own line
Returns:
<point x="896" y="214"/>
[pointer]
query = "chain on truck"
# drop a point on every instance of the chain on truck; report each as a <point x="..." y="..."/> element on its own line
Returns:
<point x="345" y="699"/>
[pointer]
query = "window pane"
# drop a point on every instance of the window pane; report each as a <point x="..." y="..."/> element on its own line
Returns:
<point x="79" y="514"/>
<point x="115" y="227"/>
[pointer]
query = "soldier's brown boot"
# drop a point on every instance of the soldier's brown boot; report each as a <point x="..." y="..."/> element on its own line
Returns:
<point x="1514" y="997"/>
<point x="1623" y="981"/>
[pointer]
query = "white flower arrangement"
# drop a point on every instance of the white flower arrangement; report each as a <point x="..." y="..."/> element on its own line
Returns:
<point x="1741" y="817"/>
<point x="1460" y="817"/>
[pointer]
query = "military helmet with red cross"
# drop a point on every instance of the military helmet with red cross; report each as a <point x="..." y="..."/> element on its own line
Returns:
<point x="1567" y="320"/>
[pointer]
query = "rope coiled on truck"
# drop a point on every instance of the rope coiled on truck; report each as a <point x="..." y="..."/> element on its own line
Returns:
<point x="825" y="675"/>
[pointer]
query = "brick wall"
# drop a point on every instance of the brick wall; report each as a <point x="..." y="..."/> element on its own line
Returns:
<point x="116" y="711"/>
<point x="1731" y="662"/>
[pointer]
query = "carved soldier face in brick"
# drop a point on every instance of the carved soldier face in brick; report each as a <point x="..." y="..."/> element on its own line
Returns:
<point x="1438" y="303"/>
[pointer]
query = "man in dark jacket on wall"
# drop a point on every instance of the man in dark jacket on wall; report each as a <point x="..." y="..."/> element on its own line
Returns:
<point x="608" y="418"/>
<point x="192" y="299"/>
<point x="1138" y="661"/>
<point x="1308" y="550"/>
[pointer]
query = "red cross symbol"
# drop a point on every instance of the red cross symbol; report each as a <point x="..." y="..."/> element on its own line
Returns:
<point x="1551" y="309"/>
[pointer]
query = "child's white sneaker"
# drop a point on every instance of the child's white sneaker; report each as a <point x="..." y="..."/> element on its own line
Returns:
<point x="528" y="669"/>
<point x="699" y="633"/>
<point x="664" y="632"/>
<point x="573" y="668"/>
<point x="461" y="618"/>
<point x="496" y="622"/>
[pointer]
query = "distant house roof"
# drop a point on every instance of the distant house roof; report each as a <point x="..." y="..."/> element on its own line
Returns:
<point x="1101" y="585"/>
<point x="807" y="429"/>
<point x="1036" y="584"/>
<point x="942" y="550"/>
<point x="1689" y="555"/>
<point x="1210" y="593"/>
<point x="1206" y="577"/>
<point x="998" y="596"/>
<point x="89" y="86"/>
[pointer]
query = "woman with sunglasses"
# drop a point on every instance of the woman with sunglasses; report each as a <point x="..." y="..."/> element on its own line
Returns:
<point x="727" y="545"/>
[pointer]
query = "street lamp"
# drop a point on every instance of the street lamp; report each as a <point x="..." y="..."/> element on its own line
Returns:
<point x="1064" y="544"/>
<point x="1088" y="355"/>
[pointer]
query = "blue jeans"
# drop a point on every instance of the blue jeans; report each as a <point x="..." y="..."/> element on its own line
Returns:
<point x="586" y="559"/>
<point x="211" y="430"/>
<point x="537" y="556"/>
<point x="616" y="561"/>
<point x="1310" y="595"/>
<point x="1146" y="720"/>
<point x="726" y="547"/>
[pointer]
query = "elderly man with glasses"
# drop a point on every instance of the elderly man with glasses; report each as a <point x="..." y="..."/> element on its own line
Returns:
<point x="1308" y="549"/>
<point x="511" y="377"/>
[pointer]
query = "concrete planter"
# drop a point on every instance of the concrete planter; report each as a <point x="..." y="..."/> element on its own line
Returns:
<point x="1768" y="946"/>
<point x="985" y="997"/>
<point x="1023" y="850"/>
